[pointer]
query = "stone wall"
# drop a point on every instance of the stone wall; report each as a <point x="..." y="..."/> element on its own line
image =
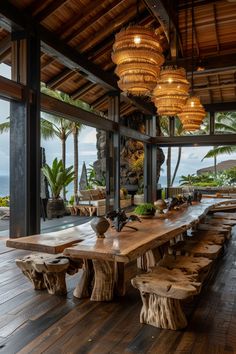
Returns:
<point x="132" y="151"/>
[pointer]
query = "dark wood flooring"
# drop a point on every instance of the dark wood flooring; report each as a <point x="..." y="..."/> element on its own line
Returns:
<point x="35" y="322"/>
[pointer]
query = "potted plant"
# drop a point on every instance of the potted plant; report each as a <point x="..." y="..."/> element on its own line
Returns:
<point x="58" y="177"/>
<point x="145" y="210"/>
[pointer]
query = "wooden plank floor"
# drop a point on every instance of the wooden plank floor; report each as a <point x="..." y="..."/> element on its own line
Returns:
<point x="35" y="322"/>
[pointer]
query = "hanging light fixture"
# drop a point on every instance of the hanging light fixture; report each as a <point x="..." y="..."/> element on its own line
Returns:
<point x="138" y="55"/>
<point x="171" y="92"/>
<point x="193" y="112"/>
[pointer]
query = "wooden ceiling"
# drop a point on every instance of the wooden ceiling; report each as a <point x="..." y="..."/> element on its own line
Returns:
<point x="89" y="27"/>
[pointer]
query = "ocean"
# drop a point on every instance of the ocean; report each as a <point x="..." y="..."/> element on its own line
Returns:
<point x="4" y="182"/>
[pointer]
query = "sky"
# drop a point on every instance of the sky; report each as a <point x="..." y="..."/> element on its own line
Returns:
<point x="190" y="160"/>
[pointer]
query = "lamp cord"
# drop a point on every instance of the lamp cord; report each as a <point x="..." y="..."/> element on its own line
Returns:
<point x="192" y="15"/>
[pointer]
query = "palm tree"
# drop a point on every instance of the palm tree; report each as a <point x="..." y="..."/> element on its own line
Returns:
<point x="178" y="131"/>
<point x="53" y="126"/>
<point x="225" y="124"/>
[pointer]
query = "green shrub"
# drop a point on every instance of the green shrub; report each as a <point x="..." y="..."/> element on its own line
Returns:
<point x="4" y="201"/>
<point x="145" y="209"/>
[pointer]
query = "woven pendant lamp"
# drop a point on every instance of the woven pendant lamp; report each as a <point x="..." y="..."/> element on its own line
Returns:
<point x="171" y="92"/>
<point x="138" y="55"/>
<point x="192" y="114"/>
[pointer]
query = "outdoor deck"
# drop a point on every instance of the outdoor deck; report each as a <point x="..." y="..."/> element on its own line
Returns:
<point x="35" y="322"/>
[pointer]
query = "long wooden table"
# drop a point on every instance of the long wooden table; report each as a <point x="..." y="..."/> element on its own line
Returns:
<point x="110" y="254"/>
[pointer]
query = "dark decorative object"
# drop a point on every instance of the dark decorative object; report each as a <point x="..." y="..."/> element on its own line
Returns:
<point x="119" y="219"/>
<point x="179" y="200"/>
<point x="189" y="200"/>
<point x="100" y="225"/>
<point x="197" y="196"/>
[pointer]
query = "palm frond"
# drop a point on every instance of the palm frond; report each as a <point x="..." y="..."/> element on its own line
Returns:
<point x="4" y="127"/>
<point x="229" y="149"/>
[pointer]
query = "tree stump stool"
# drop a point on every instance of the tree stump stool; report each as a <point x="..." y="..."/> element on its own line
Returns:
<point x="209" y="237"/>
<point x="196" y="249"/>
<point x="161" y="291"/>
<point x="224" y="229"/>
<point x="45" y="272"/>
<point x="189" y="265"/>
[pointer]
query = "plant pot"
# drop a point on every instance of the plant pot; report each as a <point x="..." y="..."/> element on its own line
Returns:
<point x="145" y="216"/>
<point x="55" y="208"/>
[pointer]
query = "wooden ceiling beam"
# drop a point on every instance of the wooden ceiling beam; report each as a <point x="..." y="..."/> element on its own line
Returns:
<point x="97" y="103"/>
<point x="195" y="140"/>
<point x="102" y="47"/>
<point x="98" y="16"/>
<point x="225" y="62"/>
<point x="60" y="78"/>
<point x="5" y="44"/>
<point x="11" y="90"/>
<point x="167" y="16"/>
<point x="49" y="10"/>
<point x="82" y="90"/>
<point x="36" y="6"/>
<point x="5" y="55"/>
<point x="187" y="5"/>
<point x="114" y="26"/>
<point x="69" y="25"/>
<point x="216" y="29"/>
<point x="215" y="87"/>
<point x="68" y="56"/>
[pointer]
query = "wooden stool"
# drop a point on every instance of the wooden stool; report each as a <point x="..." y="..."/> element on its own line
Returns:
<point x="45" y="272"/>
<point x="189" y="265"/>
<point x="196" y="249"/>
<point x="161" y="291"/>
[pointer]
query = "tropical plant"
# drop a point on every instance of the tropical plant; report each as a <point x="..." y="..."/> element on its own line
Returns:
<point x="58" y="176"/>
<point x="145" y="209"/>
<point x="93" y="180"/>
<point x="4" y="201"/>
<point x="225" y="123"/>
<point x="188" y="180"/>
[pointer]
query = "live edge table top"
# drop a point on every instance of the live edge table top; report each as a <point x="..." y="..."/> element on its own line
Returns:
<point x="125" y="246"/>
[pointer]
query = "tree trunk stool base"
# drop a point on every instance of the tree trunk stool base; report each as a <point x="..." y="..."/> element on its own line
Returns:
<point x="196" y="249"/>
<point x="161" y="291"/>
<point x="45" y="271"/>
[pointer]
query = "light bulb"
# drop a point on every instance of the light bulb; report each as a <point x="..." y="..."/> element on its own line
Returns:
<point x="137" y="40"/>
<point x="170" y="80"/>
<point x="192" y="104"/>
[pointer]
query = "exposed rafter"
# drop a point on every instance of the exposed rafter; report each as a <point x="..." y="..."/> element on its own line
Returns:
<point x="225" y="61"/>
<point x="5" y="44"/>
<point x="98" y="16"/>
<point x="70" y="57"/>
<point x="49" y="10"/>
<point x="82" y="90"/>
<point x="196" y="140"/>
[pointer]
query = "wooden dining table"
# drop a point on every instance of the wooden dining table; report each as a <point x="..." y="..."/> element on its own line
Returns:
<point x="111" y="255"/>
<point x="109" y="262"/>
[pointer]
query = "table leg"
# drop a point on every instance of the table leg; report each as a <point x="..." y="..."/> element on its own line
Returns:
<point x="103" y="289"/>
<point x="83" y="288"/>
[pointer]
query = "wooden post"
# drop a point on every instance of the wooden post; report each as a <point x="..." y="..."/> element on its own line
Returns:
<point x="25" y="137"/>
<point x="150" y="163"/>
<point x="114" y="114"/>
